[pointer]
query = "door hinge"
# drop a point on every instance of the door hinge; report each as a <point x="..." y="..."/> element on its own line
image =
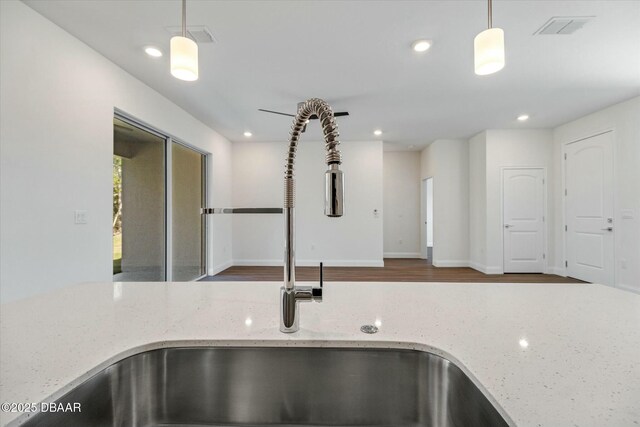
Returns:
<point x="566" y="263"/>
<point x="565" y="156"/>
<point x="542" y="181"/>
<point x="565" y="191"/>
<point x="543" y="218"/>
<point x="544" y="256"/>
<point x="565" y="228"/>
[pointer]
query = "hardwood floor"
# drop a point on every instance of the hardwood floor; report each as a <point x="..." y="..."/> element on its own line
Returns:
<point x="394" y="270"/>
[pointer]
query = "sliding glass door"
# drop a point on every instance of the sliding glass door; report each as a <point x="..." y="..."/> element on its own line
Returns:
<point x="138" y="204"/>
<point x="188" y="224"/>
<point x="159" y="188"/>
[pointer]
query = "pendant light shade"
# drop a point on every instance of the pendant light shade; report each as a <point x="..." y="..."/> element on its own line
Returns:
<point x="184" y="53"/>
<point x="488" y="49"/>
<point x="184" y="58"/>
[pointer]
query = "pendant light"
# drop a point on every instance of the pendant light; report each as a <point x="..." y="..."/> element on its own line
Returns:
<point x="488" y="48"/>
<point x="184" y="53"/>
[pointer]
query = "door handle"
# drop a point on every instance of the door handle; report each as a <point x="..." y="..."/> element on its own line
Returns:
<point x="508" y="226"/>
<point x="607" y="229"/>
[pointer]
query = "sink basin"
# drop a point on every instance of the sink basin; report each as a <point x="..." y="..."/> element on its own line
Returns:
<point x="248" y="386"/>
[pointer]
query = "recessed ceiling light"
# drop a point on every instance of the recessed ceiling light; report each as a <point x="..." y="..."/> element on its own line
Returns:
<point x="377" y="132"/>
<point x="247" y="134"/>
<point x="411" y="146"/>
<point x="523" y="117"/>
<point x="153" y="51"/>
<point x="421" y="45"/>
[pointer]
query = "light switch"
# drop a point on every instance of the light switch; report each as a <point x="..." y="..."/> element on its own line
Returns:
<point x="80" y="217"/>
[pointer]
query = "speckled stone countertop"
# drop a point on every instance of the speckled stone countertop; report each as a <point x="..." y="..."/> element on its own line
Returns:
<point x="546" y="355"/>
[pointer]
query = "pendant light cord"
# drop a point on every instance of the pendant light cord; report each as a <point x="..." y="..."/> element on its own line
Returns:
<point x="184" y="18"/>
<point x="489" y="17"/>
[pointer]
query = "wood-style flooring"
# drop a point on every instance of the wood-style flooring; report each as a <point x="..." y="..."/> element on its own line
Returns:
<point x="394" y="270"/>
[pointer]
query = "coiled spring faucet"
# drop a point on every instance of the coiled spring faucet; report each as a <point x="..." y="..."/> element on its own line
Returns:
<point x="290" y="294"/>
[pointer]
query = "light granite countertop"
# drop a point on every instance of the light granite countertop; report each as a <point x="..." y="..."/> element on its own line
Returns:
<point x="553" y="355"/>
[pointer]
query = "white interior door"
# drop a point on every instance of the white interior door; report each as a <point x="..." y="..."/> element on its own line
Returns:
<point x="589" y="209"/>
<point x="523" y="215"/>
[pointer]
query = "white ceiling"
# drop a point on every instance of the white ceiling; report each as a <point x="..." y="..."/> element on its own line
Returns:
<point x="357" y="56"/>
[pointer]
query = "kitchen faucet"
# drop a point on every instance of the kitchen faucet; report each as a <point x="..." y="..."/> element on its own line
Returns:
<point x="290" y="294"/>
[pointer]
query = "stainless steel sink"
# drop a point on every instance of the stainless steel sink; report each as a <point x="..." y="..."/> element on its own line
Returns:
<point x="277" y="387"/>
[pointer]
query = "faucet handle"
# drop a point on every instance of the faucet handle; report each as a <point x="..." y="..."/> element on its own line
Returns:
<point x="316" y="291"/>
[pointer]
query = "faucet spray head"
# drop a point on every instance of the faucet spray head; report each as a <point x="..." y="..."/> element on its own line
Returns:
<point x="334" y="191"/>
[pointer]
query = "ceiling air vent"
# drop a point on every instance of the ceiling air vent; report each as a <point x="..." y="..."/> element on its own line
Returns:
<point x="199" y="33"/>
<point x="563" y="25"/>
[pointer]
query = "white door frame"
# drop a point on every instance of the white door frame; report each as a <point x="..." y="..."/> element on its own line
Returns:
<point x="562" y="270"/>
<point x="545" y="217"/>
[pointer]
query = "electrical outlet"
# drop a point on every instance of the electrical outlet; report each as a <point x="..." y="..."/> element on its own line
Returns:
<point x="400" y="242"/>
<point x="80" y="217"/>
<point x="313" y="247"/>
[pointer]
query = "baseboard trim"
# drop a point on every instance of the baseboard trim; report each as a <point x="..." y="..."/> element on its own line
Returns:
<point x="402" y="255"/>
<point x="477" y="266"/>
<point x="309" y="263"/>
<point x="450" y="263"/>
<point x="218" y="268"/>
<point x="471" y="264"/>
<point x="558" y="271"/>
<point x="628" y="288"/>
<point x="258" y="262"/>
<point x="493" y="270"/>
<point x="342" y="263"/>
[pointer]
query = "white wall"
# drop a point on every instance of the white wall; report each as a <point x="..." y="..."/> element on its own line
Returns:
<point x="489" y="153"/>
<point x="624" y="119"/>
<point x="57" y="101"/>
<point x="401" y="204"/>
<point x="511" y="148"/>
<point x="447" y="161"/>
<point x="478" y="201"/>
<point x="354" y="239"/>
<point x="428" y="201"/>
